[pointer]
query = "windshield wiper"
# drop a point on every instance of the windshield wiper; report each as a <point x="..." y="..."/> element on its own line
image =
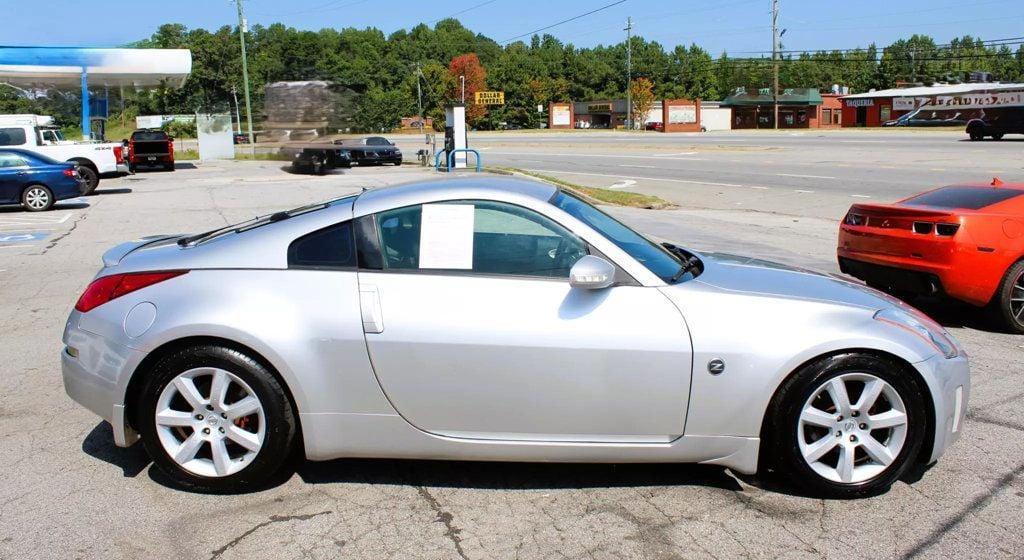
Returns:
<point x="690" y="264"/>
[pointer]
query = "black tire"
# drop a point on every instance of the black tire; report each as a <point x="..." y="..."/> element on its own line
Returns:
<point x="976" y="136"/>
<point x="34" y="195"/>
<point x="168" y="167"/>
<point x="780" y="446"/>
<point x="281" y="426"/>
<point x="997" y="136"/>
<point x="1011" y="287"/>
<point x="92" y="179"/>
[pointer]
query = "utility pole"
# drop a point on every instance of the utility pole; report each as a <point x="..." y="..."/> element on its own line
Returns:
<point x="238" y="115"/>
<point x="462" y="78"/>
<point x="775" y="62"/>
<point x="419" y="96"/>
<point x="629" y="72"/>
<point x="245" y="73"/>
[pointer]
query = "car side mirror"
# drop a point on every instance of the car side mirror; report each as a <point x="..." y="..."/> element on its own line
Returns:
<point x="592" y="273"/>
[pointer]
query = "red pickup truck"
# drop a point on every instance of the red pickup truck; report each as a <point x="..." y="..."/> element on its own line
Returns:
<point x="151" y="147"/>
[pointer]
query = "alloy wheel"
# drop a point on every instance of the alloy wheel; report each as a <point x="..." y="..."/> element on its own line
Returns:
<point x="852" y="428"/>
<point x="37" y="198"/>
<point x="210" y="422"/>
<point x="1017" y="298"/>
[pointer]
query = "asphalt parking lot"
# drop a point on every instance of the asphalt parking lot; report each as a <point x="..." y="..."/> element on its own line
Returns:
<point x="68" y="492"/>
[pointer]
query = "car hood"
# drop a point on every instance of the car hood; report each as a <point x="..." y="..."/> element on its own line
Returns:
<point x="759" y="277"/>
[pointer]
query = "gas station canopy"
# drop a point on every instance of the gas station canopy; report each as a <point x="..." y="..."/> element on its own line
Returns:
<point x="62" y="67"/>
<point x="57" y="67"/>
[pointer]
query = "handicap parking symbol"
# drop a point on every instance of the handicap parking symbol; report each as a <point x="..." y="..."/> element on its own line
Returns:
<point x="22" y="237"/>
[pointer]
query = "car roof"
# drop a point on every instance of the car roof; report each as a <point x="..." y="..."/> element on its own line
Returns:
<point x="456" y="188"/>
<point x="971" y="199"/>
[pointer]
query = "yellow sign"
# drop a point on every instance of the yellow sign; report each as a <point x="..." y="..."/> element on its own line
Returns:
<point x="490" y="98"/>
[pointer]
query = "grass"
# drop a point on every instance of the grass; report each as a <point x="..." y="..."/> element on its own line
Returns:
<point x="262" y="156"/>
<point x="605" y="196"/>
<point x="186" y="155"/>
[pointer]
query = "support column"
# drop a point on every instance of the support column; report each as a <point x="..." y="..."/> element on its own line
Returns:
<point x="85" y="105"/>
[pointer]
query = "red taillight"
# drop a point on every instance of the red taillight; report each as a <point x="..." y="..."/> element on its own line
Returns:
<point x="107" y="288"/>
<point x="69" y="172"/>
<point x="170" y="148"/>
<point x="118" y="155"/>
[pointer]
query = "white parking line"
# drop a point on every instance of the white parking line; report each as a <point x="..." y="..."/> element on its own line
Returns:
<point x="803" y="191"/>
<point x="623" y="184"/>
<point x="860" y="196"/>
<point x="639" y="166"/>
<point x="678" y="154"/>
<point x="805" y="176"/>
<point x="649" y="178"/>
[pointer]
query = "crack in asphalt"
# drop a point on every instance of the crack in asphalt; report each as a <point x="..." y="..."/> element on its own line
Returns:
<point x="976" y="505"/>
<point x="53" y="242"/>
<point x="273" y="519"/>
<point x="443" y="516"/>
<point x="985" y="419"/>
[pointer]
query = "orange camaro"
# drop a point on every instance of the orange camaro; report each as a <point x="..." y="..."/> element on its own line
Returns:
<point x="963" y="241"/>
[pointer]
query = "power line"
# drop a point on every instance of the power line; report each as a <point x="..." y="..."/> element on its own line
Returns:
<point x="329" y="6"/>
<point x="460" y="12"/>
<point x="605" y="7"/>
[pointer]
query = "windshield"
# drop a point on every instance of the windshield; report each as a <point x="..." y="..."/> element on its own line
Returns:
<point x="658" y="260"/>
<point x="149" y="135"/>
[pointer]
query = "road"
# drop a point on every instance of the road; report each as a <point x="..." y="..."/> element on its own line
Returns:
<point x="772" y="171"/>
<point x="69" y="492"/>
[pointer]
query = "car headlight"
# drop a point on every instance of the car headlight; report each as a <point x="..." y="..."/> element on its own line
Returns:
<point x="922" y="326"/>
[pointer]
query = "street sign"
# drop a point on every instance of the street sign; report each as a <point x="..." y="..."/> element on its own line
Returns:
<point x="490" y="98"/>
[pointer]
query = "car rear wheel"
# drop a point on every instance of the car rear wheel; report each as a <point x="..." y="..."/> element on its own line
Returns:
<point x="214" y="419"/>
<point x="976" y="136"/>
<point x="37" y="198"/>
<point x="846" y="426"/>
<point x="1008" y="303"/>
<point x="91" y="178"/>
<point x="997" y="136"/>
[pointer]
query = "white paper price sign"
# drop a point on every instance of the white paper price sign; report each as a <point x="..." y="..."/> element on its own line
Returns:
<point x="446" y="236"/>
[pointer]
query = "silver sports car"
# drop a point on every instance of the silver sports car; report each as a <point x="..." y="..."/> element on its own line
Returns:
<point x="502" y="320"/>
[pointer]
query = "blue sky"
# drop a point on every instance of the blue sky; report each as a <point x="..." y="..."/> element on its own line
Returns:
<point x="736" y="25"/>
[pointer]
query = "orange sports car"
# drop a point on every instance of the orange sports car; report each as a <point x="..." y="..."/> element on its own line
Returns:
<point x="963" y="241"/>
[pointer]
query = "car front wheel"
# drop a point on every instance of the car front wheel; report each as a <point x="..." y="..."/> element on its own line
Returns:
<point x="846" y="426"/>
<point x="214" y="419"/>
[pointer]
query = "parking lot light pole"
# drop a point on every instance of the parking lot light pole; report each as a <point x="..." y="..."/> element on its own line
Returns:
<point x="245" y="73"/>
<point x="775" y="63"/>
<point x="629" y="72"/>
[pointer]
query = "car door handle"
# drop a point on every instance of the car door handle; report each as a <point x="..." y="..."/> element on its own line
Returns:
<point x="23" y="173"/>
<point x="369" y="305"/>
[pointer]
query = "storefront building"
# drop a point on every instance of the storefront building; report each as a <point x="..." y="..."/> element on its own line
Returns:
<point x="669" y="115"/>
<point x="939" y="105"/>
<point x="798" y="108"/>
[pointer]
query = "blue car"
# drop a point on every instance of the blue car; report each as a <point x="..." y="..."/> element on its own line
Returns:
<point x="35" y="181"/>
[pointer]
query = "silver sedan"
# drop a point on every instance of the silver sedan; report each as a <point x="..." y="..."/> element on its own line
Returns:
<point x="501" y="320"/>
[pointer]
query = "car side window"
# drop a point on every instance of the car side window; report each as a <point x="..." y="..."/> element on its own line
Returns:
<point x="482" y="237"/>
<point x="329" y="248"/>
<point x="11" y="160"/>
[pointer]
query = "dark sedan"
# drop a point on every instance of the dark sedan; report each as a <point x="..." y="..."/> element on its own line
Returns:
<point x="35" y="181"/>
<point x="372" y="150"/>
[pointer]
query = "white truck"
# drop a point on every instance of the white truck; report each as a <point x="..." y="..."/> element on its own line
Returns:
<point x="36" y="133"/>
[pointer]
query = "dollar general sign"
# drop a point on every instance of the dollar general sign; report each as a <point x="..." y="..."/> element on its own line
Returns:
<point x="490" y="98"/>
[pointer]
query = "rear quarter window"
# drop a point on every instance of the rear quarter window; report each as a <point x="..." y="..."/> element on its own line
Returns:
<point x="329" y="248"/>
<point x="972" y="198"/>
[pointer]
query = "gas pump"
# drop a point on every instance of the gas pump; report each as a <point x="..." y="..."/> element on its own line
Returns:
<point x="455" y="135"/>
